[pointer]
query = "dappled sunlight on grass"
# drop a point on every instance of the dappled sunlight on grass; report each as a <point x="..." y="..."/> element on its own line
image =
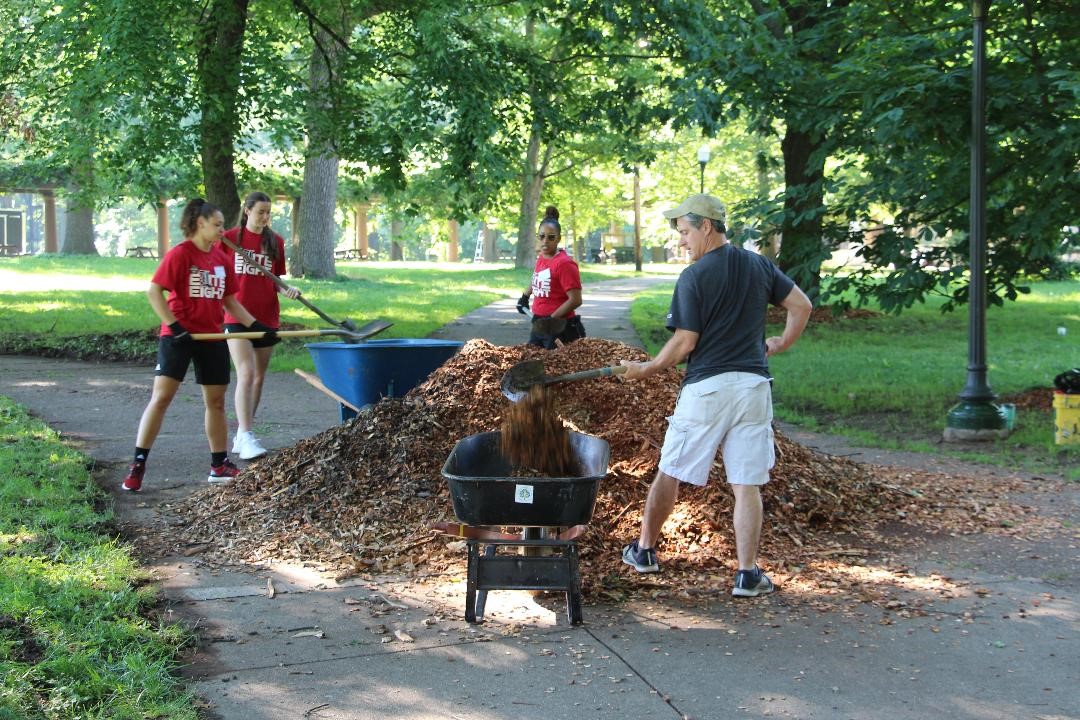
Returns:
<point x="9" y="541"/>
<point x="67" y="312"/>
<point x="27" y="282"/>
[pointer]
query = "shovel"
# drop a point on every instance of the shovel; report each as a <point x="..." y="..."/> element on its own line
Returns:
<point x="345" y="324"/>
<point x="372" y="328"/>
<point x="518" y="379"/>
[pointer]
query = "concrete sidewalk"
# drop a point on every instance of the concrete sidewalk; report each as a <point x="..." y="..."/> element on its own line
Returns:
<point x="605" y="313"/>
<point x="1002" y="643"/>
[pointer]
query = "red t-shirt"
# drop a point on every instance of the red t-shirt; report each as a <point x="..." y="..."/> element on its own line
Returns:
<point x="258" y="293"/>
<point x="552" y="277"/>
<point x="197" y="282"/>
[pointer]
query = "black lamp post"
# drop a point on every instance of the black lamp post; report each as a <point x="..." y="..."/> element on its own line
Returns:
<point x="703" y="155"/>
<point x="976" y="417"/>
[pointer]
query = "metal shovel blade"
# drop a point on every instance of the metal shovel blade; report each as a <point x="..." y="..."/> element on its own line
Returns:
<point x="518" y="379"/>
<point x="370" y="329"/>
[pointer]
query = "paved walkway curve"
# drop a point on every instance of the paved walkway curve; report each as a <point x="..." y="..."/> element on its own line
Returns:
<point x="605" y="313"/>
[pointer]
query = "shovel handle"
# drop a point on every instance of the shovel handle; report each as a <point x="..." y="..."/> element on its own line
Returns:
<point x="247" y="255"/>
<point x="280" y="283"/>
<point x="588" y="374"/>
<point x="317" y="311"/>
<point x="255" y="335"/>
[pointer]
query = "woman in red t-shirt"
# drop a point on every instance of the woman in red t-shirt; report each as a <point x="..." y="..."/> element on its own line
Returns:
<point x="258" y="293"/>
<point x="555" y="288"/>
<point x="201" y="287"/>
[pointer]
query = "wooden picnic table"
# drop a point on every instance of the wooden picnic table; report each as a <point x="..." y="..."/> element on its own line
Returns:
<point x="349" y="254"/>
<point x="141" y="252"/>
<point x="10" y="250"/>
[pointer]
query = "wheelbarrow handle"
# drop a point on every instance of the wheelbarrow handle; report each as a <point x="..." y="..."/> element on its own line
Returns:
<point x="588" y="374"/>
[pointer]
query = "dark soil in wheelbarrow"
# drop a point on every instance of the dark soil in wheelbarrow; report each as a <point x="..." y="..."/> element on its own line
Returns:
<point x="360" y="498"/>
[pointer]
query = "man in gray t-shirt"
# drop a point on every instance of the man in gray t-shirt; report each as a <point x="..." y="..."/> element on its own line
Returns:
<point x="717" y="316"/>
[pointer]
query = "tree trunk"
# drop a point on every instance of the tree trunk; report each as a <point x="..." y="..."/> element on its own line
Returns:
<point x="396" y="251"/>
<point x="50" y="221"/>
<point x="78" y="232"/>
<point x="491" y="242"/>
<point x="295" y="265"/>
<point x="532" y="186"/>
<point x="317" y="237"/>
<point x="317" y="229"/>
<point x="220" y="40"/>
<point x="802" y="248"/>
<point x="452" y="241"/>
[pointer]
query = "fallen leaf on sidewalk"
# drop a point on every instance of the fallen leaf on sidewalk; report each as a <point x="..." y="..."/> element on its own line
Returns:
<point x="310" y="633"/>
<point x="403" y="636"/>
<point x="391" y="603"/>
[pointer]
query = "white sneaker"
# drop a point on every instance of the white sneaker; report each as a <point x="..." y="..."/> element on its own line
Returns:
<point x="247" y="447"/>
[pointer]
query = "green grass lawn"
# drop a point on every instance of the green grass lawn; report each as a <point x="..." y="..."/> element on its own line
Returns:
<point x="890" y="381"/>
<point x="76" y="636"/>
<point x="68" y="302"/>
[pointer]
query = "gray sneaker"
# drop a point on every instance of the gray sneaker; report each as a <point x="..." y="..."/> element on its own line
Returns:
<point x="644" y="561"/>
<point x="751" y="583"/>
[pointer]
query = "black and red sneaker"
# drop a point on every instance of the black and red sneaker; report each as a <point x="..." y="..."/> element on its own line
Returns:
<point x="133" y="480"/>
<point x="223" y="474"/>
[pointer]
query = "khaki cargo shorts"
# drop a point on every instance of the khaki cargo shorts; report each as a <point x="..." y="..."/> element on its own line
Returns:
<point x="732" y="411"/>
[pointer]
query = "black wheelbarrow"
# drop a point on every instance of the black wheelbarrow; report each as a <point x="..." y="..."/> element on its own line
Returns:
<point x="484" y="493"/>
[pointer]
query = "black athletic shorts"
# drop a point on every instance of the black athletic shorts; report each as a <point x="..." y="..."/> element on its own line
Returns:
<point x="259" y="343"/>
<point x="574" y="331"/>
<point x="211" y="360"/>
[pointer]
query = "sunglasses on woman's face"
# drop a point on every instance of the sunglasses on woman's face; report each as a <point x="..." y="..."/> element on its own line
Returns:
<point x="545" y="236"/>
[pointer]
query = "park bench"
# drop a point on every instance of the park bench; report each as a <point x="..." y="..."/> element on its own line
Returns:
<point x="350" y="254"/>
<point x="141" y="252"/>
<point x="10" y="250"/>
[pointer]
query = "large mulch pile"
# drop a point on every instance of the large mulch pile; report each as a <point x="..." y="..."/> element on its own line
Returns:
<point x="361" y="497"/>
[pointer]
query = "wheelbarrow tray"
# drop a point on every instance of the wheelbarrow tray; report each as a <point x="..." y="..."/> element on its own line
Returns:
<point x="484" y="493"/>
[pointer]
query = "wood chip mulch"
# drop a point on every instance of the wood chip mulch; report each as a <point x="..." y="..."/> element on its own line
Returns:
<point x="360" y="497"/>
<point x="1032" y="399"/>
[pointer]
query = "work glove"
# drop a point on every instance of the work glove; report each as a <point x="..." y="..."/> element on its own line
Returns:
<point x="523" y="304"/>
<point x="180" y="335"/>
<point x="271" y="336"/>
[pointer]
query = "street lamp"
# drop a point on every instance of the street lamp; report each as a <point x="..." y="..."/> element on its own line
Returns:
<point x="703" y="155"/>
<point x="976" y="417"/>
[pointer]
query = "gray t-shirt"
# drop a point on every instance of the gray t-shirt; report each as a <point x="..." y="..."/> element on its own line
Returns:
<point x="724" y="297"/>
